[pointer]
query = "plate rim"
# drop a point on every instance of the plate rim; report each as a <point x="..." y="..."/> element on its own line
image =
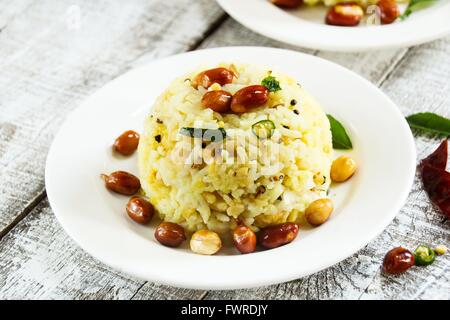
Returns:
<point x="308" y="42"/>
<point x="249" y="284"/>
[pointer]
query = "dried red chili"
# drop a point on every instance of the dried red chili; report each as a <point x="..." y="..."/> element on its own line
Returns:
<point x="438" y="158"/>
<point x="436" y="180"/>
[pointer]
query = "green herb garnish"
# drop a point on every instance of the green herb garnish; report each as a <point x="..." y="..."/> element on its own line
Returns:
<point x="271" y="83"/>
<point x="430" y="122"/>
<point x="340" y="137"/>
<point x="416" y="5"/>
<point x="263" y="129"/>
<point x="204" y="134"/>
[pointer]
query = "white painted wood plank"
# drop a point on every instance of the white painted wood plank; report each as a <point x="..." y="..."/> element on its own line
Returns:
<point x="152" y="291"/>
<point x="231" y="33"/>
<point x="374" y="66"/>
<point x="10" y="10"/>
<point x="38" y="260"/>
<point x="48" y="265"/>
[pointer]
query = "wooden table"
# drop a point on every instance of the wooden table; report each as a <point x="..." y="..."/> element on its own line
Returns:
<point x="54" y="54"/>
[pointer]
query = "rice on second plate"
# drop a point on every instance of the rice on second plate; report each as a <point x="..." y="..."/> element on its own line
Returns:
<point x="259" y="182"/>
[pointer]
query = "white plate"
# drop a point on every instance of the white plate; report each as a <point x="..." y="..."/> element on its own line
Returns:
<point x="96" y="220"/>
<point x="305" y="27"/>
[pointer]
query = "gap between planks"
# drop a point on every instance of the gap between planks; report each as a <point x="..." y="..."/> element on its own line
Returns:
<point x="392" y="68"/>
<point x="30" y="206"/>
<point x="214" y="26"/>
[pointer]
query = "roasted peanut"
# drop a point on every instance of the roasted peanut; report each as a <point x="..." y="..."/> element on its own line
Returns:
<point x="219" y="101"/>
<point x="244" y="239"/>
<point x="126" y="143"/>
<point x="248" y="98"/>
<point x="205" y="242"/>
<point x="342" y="169"/>
<point x="398" y="260"/>
<point x="319" y="211"/>
<point x="389" y="11"/>
<point x="345" y="14"/>
<point x="170" y="234"/>
<point x="440" y="249"/>
<point x="275" y="236"/>
<point x="140" y="210"/>
<point x="290" y="4"/>
<point x="206" y="78"/>
<point x="122" y="182"/>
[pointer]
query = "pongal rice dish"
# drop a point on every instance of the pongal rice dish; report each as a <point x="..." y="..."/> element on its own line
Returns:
<point x="234" y="144"/>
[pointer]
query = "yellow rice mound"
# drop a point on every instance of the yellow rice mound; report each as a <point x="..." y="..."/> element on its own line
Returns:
<point x="262" y="190"/>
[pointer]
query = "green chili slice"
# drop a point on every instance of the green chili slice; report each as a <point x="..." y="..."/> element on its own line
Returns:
<point x="424" y="256"/>
<point x="263" y="129"/>
<point x="204" y="134"/>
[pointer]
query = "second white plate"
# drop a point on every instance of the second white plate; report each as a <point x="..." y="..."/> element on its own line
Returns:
<point x="304" y="26"/>
<point x="96" y="218"/>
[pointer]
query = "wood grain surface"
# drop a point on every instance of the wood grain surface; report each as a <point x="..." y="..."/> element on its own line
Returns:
<point x="54" y="54"/>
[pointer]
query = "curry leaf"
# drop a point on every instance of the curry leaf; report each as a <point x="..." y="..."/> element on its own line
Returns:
<point x="271" y="83"/>
<point x="430" y="122"/>
<point x="340" y="137"/>
<point x="416" y="5"/>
